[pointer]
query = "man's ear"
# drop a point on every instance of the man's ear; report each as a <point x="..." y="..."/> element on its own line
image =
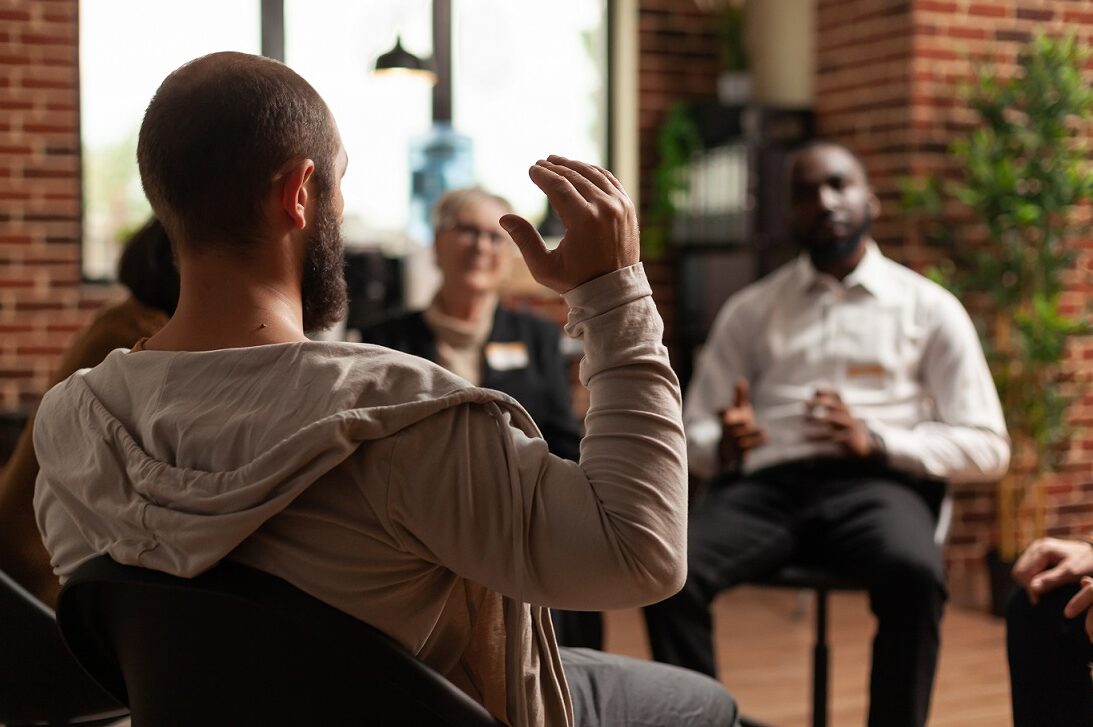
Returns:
<point x="294" y="192"/>
<point x="874" y="203"/>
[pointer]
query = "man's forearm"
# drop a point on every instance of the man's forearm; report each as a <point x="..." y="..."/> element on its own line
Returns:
<point x="634" y="450"/>
<point x="954" y="453"/>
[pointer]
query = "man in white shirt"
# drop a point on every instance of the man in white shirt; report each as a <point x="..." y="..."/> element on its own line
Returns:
<point x="829" y="399"/>
<point x="373" y="480"/>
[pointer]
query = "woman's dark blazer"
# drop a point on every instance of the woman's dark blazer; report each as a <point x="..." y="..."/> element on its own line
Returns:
<point x="541" y="387"/>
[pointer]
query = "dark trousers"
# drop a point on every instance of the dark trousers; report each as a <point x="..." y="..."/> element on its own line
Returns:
<point x="856" y="519"/>
<point x="1049" y="658"/>
<point x="578" y="629"/>
<point x="616" y="691"/>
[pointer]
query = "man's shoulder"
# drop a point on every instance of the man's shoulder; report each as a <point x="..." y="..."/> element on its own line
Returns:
<point x="925" y="290"/>
<point x="415" y="391"/>
<point x="379" y="362"/>
<point x="384" y="377"/>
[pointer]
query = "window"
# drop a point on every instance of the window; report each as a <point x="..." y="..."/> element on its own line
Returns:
<point x="127" y="48"/>
<point x="334" y="45"/>
<point x="539" y="87"/>
<point x="529" y="79"/>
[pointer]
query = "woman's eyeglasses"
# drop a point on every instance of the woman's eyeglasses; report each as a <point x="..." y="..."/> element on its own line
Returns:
<point x="470" y="233"/>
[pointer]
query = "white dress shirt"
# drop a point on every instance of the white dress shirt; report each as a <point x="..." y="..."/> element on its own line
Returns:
<point x="899" y="349"/>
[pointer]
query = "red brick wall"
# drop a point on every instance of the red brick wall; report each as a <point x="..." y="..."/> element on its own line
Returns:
<point x="888" y="73"/>
<point x="42" y="303"/>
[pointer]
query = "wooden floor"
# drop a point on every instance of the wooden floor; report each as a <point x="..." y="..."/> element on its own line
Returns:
<point x="764" y="648"/>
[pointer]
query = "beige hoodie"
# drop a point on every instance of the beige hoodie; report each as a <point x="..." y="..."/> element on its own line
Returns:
<point x="387" y="487"/>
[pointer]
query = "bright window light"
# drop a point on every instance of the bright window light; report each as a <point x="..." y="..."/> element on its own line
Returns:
<point x="127" y="48"/>
<point x="529" y="79"/>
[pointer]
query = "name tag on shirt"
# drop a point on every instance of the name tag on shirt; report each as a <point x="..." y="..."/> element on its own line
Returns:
<point x="865" y="370"/>
<point x="507" y="356"/>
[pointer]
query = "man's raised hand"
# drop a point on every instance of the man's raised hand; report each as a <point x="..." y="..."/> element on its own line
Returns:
<point x="601" y="225"/>
<point x="739" y="431"/>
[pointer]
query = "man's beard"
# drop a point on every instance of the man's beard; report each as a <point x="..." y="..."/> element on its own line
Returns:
<point x="832" y="252"/>
<point x="322" y="288"/>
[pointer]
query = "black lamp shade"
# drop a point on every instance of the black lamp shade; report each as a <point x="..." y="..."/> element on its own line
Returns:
<point x="398" y="59"/>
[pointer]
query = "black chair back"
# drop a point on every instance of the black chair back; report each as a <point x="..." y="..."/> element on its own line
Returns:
<point x="237" y="646"/>
<point x="40" y="681"/>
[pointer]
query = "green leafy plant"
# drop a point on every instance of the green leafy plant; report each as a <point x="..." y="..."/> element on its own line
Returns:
<point x="1024" y="171"/>
<point x="730" y="18"/>
<point x="734" y="57"/>
<point x="677" y="141"/>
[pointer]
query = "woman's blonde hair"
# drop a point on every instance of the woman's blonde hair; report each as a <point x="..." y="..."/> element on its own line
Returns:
<point x="449" y="204"/>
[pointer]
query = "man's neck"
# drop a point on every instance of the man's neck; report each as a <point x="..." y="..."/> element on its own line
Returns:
<point x="839" y="269"/>
<point x="223" y="304"/>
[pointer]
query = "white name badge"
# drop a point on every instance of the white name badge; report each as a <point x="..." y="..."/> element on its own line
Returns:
<point x="507" y="356"/>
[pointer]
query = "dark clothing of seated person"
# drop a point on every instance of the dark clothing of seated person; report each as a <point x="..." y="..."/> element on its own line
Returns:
<point x="825" y="396"/>
<point x="466" y="331"/>
<point x="147" y="270"/>
<point x="518" y="353"/>
<point x="377" y="482"/>
<point x="1049" y="634"/>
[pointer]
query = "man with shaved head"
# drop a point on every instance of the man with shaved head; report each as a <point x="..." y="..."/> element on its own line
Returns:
<point x="376" y="481"/>
<point x="828" y="399"/>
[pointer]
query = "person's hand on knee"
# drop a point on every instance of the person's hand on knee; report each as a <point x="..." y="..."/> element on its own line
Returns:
<point x="1050" y="562"/>
<point x="1082" y="602"/>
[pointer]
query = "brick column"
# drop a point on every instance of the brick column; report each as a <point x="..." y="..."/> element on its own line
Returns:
<point x="888" y="74"/>
<point x="41" y="304"/>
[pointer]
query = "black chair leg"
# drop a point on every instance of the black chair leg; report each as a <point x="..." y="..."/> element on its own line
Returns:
<point x="819" y="662"/>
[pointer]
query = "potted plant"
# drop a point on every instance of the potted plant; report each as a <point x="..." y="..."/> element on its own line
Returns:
<point x="678" y="140"/>
<point x="734" y="83"/>
<point x="1024" y="171"/>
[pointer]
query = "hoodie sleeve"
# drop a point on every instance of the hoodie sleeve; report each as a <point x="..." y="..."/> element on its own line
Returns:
<point x="473" y="490"/>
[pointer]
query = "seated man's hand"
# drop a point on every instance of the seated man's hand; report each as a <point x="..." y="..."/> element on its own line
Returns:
<point x="601" y="225"/>
<point x="1082" y="602"/>
<point x="739" y="431"/>
<point x="833" y="422"/>
<point x="1050" y="562"/>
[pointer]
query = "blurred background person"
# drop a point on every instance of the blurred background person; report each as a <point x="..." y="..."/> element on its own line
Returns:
<point x="468" y="332"/>
<point x="147" y="269"/>
<point x="1049" y="634"/>
<point x="825" y="425"/>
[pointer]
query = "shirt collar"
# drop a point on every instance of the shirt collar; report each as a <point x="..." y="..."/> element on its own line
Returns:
<point x="870" y="274"/>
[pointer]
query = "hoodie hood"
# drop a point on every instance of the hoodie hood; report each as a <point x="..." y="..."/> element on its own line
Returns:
<point x="169" y="460"/>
